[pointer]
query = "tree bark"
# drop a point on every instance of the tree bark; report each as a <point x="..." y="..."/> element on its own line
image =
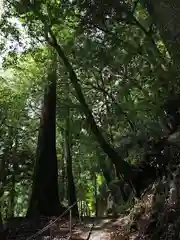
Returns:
<point x="95" y="194"/>
<point x="68" y="156"/>
<point x="12" y="197"/>
<point x="44" y="199"/>
<point x="13" y="179"/>
<point x="63" y="177"/>
<point x="3" y="175"/>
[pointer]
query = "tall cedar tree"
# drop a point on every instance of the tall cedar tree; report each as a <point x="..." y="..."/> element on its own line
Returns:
<point x="71" y="190"/>
<point x="45" y="199"/>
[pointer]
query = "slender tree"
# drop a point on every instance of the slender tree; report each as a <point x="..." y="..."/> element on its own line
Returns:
<point x="121" y="166"/>
<point x="63" y="188"/>
<point x="71" y="191"/>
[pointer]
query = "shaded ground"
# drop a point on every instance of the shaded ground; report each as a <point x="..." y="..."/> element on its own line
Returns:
<point x="104" y="229"/>
<point x="155" y="216"/>
<point x="99" y="230"/>
<point x="90" y="228"/>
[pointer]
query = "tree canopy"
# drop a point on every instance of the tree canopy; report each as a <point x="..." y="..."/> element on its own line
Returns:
<point x="89" y="100"/>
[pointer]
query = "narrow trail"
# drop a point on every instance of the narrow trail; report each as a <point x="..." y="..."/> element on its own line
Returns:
<point x="102" y="228"/>
<point x="89" y="229"/>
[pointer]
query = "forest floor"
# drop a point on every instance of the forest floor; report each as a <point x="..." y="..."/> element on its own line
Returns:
<point x="104" y="229"/>
<point x="125" y="227"/>
<point x="152" y="217"/>
<point x="101" y="228"/>
<point x="107" y="229"/>
<point x="155" y="216"/>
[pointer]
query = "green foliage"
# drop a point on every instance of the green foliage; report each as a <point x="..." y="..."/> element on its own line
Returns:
<point x="123" y="71"/>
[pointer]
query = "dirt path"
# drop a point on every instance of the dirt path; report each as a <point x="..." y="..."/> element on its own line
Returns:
<point x="102" y="228"/>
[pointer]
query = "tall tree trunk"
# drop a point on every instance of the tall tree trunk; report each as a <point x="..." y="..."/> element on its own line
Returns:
<point x="12" y="197"/>
<point x="68" y="156"/>
<point x="62" y="177"/>
<point x="13" y="179"/>
<point x="3" y="175"/>
<point x="95" y="194"/>
<point x="122" y="167"/>
<point x="44" y="199"/>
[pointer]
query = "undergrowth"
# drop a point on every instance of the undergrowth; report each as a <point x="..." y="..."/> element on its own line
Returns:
<point x="157" y="215"/>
